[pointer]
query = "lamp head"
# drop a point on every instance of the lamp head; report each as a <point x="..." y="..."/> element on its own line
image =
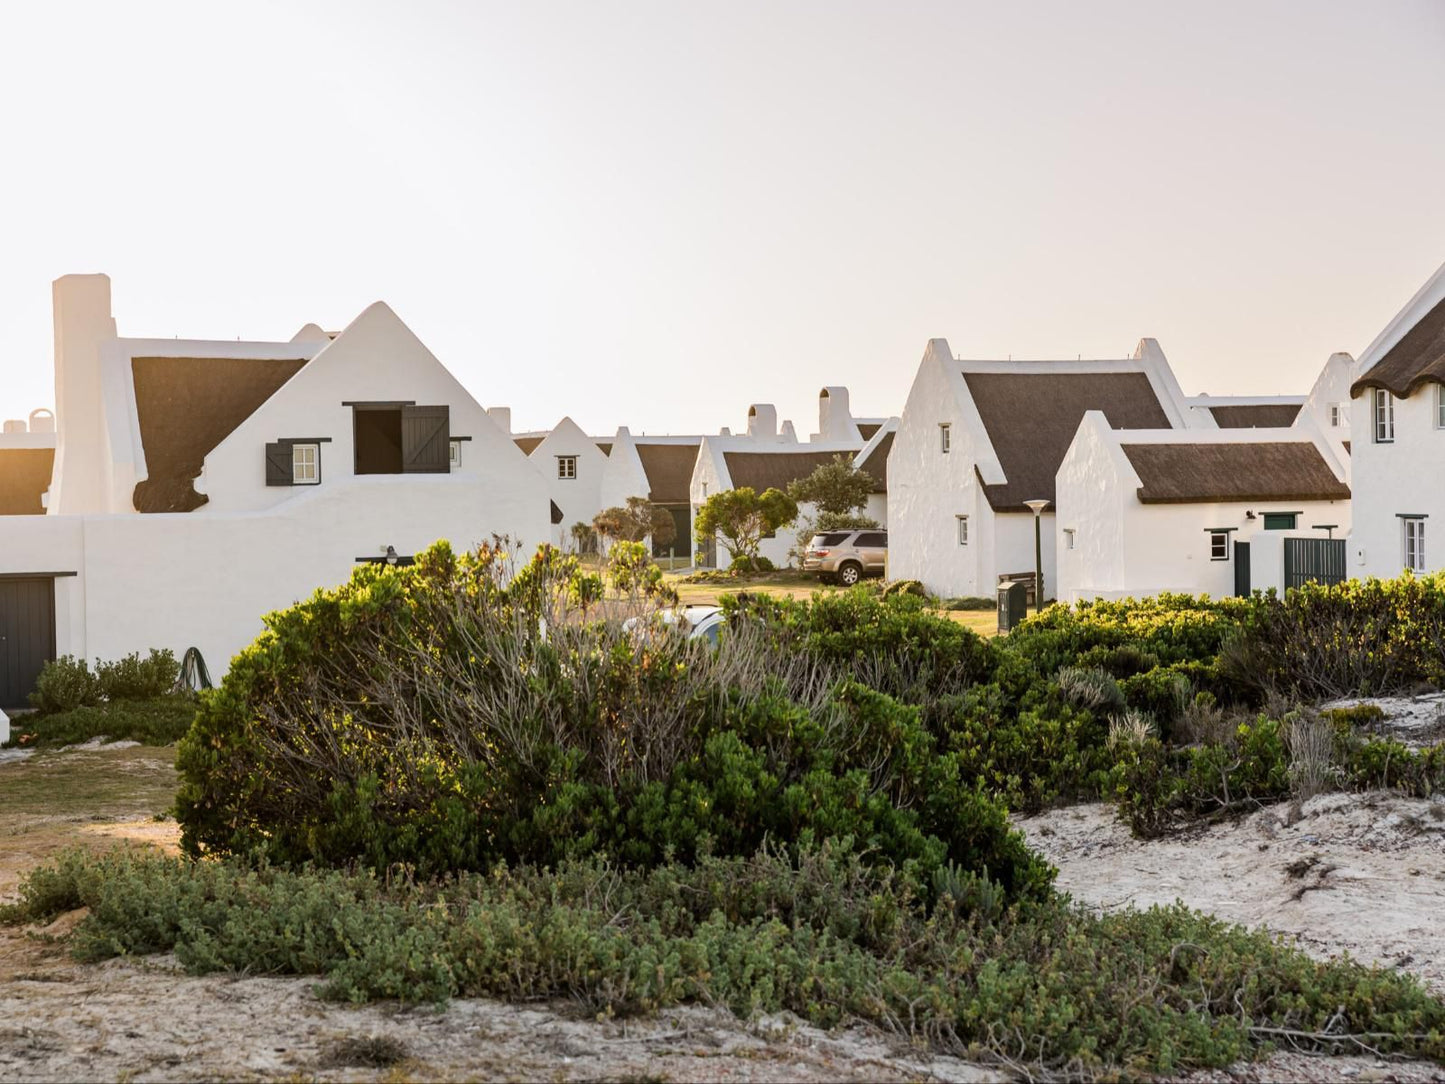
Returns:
<point x="1036" y="507"/>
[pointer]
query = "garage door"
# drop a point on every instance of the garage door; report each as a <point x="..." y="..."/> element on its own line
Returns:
<point x="27" y="635"/>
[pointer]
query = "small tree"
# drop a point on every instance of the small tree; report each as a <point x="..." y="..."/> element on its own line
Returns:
<point x="584" y="537"/>
<point x="741" y="517"/>
<point x="637" y="520"/>
<point x="836" y="488"/>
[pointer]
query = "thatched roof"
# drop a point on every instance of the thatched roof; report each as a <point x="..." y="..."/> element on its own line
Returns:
<point x="605" y="447"/>
<point x="187" y="406"/>
<point x="528" y="444"/>
<point x="774" y="470"/>
<point x="868" y="430"/>
<point x="1256" y="415"/>
<point x="669" y="470"/>
<point x="1417" y="359"/>
<point x="877" y="463"/>
<point x="1208" y="473"/>
<point x="24" y="476"/>
<point x="1031" y="419"/>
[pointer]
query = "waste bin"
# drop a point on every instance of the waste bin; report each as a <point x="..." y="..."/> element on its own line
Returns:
<point x="1013" y="604"/>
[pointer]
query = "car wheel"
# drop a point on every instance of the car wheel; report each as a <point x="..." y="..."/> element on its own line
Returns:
<point x="849" y="574"/>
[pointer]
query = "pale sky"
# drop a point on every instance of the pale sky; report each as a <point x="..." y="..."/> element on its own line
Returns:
<point x="655" y="214"/>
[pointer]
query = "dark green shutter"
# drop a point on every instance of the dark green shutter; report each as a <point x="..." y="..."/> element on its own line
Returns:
<point x="278" y="464"/>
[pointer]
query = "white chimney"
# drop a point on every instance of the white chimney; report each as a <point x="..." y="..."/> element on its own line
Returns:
<point x="82" y="322"/>
<point x="14" y="425"/>
<point x="835" y="419"/>
<point x="788" y="434"/>
<point x="42" y="421"/>
<point x="502" y="415"/>
<point x="762" y="420"/>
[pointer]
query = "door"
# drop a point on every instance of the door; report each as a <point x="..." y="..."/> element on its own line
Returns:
<point x="1241" y="569"/>
<point x="426" y="440"/>
<point x="27" y="635"/>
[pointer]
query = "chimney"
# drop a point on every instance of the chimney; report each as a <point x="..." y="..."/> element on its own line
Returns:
<point x="502" y="415"/>
<point x="82" y="322"/>
<point x="789" y="435"/>
<point x="763" y="420"/>
<point x="835" y="419"/>
<point x="42" y="421"/>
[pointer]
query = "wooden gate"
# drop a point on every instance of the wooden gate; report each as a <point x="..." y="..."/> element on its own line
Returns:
<point x="1319" y="560"/>
<point x="27" y="635"/>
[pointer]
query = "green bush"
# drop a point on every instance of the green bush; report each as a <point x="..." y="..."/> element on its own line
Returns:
<point x="1047" y="989"/>
<point x="452" y="716"/>
<point x="967" y="602"/>
<point x="751" y="564"/>
<point x="159" y="721"/>
<point x="135" y="678"/>
<point x="65" y="684"/>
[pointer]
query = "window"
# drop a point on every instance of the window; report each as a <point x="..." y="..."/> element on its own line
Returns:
<point x="1414" y="543"/>
<point x="1280" y="521"/>
<point x="1440" y="406"/>
<point x="566" y="466"/>
<point x="872" y="540"/>
<point x="1069" y="533"/>
<point x="456" y="453"/>
<point x="1219" y="545"/>
<point x="1384" y="416"/>
<point x="962" y="530"/>
<point x="945" y="437"/>
<point x="305" y="464"/>
<point x="1337" y="415"/>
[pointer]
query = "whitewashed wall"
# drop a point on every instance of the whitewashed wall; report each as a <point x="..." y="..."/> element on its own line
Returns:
<point x="579" y="497"/>
<point x="1407" y="476"/>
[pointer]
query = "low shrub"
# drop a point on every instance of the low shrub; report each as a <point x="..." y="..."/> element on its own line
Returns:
<point x="968" y="602"/>
<point x="1047" y="990"/>
<point x="904" y="587"/>
<point x="751" y="564"/>
<point x="67" y="683"/>
<point x="158" y="721"/>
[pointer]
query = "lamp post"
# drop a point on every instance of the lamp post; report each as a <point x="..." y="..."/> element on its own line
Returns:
<point x="1037" y="507"/>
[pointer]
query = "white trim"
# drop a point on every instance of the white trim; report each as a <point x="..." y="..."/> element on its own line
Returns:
<point x="567" y="467"/>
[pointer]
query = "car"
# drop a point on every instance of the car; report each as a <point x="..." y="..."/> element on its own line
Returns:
<point x="700" y="622"/>
<point x="847" y="556"/>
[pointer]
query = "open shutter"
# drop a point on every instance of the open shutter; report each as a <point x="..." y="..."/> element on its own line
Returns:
<point x="426" y="439"/>
<point x="278" y="464"/>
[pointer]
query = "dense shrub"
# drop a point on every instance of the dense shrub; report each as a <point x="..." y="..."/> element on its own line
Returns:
<point x="452" y="716"/>
<point x="1049" y="990"/>
<point x="746" y="564"/>
<point x="159" y="721"/>
<point x="67" y="683"/>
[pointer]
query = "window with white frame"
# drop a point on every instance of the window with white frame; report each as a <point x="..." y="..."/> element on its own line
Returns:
<point x="1069" y="533"/>
<point x="566" y="466"/>
<point x="1413" y="537"/>
<point x="1384" y="416"/>
<point x="945" y="437"/>
<point x="1219" y="545"/>
<point x="962" y="522"/>
<point x="456" y="453"/>
<point x="1337" y="415"/>
<point x="1440" y="406"/>
<point x="305" y="464"/>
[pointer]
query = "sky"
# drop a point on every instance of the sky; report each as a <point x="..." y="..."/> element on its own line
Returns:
<point x="655" y="214"/>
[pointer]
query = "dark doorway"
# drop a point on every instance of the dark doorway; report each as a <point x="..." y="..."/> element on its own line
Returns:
<point x="378" y="440"/>
<point x="27" y="635"/>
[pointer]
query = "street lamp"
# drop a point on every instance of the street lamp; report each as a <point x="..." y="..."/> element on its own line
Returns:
<point x="1037" y="507"/>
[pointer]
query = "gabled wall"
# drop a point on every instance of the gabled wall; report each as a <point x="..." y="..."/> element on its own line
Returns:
<point x="579" y="498"/>
<point x="1406" y="477"/>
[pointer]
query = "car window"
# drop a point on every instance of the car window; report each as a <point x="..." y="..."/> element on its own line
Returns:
<point x="873" y="540"/>
<point x="832" y="538"/>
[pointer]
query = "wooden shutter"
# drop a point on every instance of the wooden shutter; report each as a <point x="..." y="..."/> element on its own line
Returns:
<point x="426" y="439"/>
<point x="278" y="464"/>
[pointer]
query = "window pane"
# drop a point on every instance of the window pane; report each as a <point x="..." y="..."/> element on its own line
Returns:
<point x="1279" y="521"/>
<point x="872" y="538"/>
<point x="832" y="538"/>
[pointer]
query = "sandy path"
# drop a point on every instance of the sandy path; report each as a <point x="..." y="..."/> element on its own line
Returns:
<point x="1374" y="886"/>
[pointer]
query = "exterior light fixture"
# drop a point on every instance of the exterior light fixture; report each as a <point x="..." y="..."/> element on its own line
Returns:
<point x="1037" y="507"/>
<point x="391" y="557"/>
<point x="1249" y="515"/>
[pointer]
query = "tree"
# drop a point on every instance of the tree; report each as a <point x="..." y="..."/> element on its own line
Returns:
<point x="638" y="520"/>
<point x="584" y="537"/>
<point x="835" y="489"/>
<point x="741" y="517"/>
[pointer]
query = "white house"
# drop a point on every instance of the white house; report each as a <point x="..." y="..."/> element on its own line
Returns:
<point x="573" y="465"/>
<point x="873" y="461"/>
<point x="1328" y="404"/>
<point x="1199" y="511"/>
<point x="658" y="469"/>
<point x="978" y="439"/>
<point x="200" y="484"/>
<point x="1398" y="449"/>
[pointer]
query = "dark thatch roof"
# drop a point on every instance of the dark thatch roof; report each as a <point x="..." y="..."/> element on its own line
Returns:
<point x="1031" y="420"/>
<point x="24" y="476"/>
<point x="1418" y="358"/>
<point x="1256" y="415"/>
<point x="774" y="470"/>
<point x="867" y="430"/>
<point x="1199" y="473"/>
<point x="605" y="447"/>
<point x="877" y="463"/>
<point x="669" y="470"/>
<point x="187" y="406"/>
<point x="528" y="444"/>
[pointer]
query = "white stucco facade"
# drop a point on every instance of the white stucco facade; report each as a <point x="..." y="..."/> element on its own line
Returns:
<point x="1110" y="544"/>
<point x="573" y="467"/>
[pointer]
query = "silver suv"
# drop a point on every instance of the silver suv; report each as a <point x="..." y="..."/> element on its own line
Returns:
<point x="847" y="556"/>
